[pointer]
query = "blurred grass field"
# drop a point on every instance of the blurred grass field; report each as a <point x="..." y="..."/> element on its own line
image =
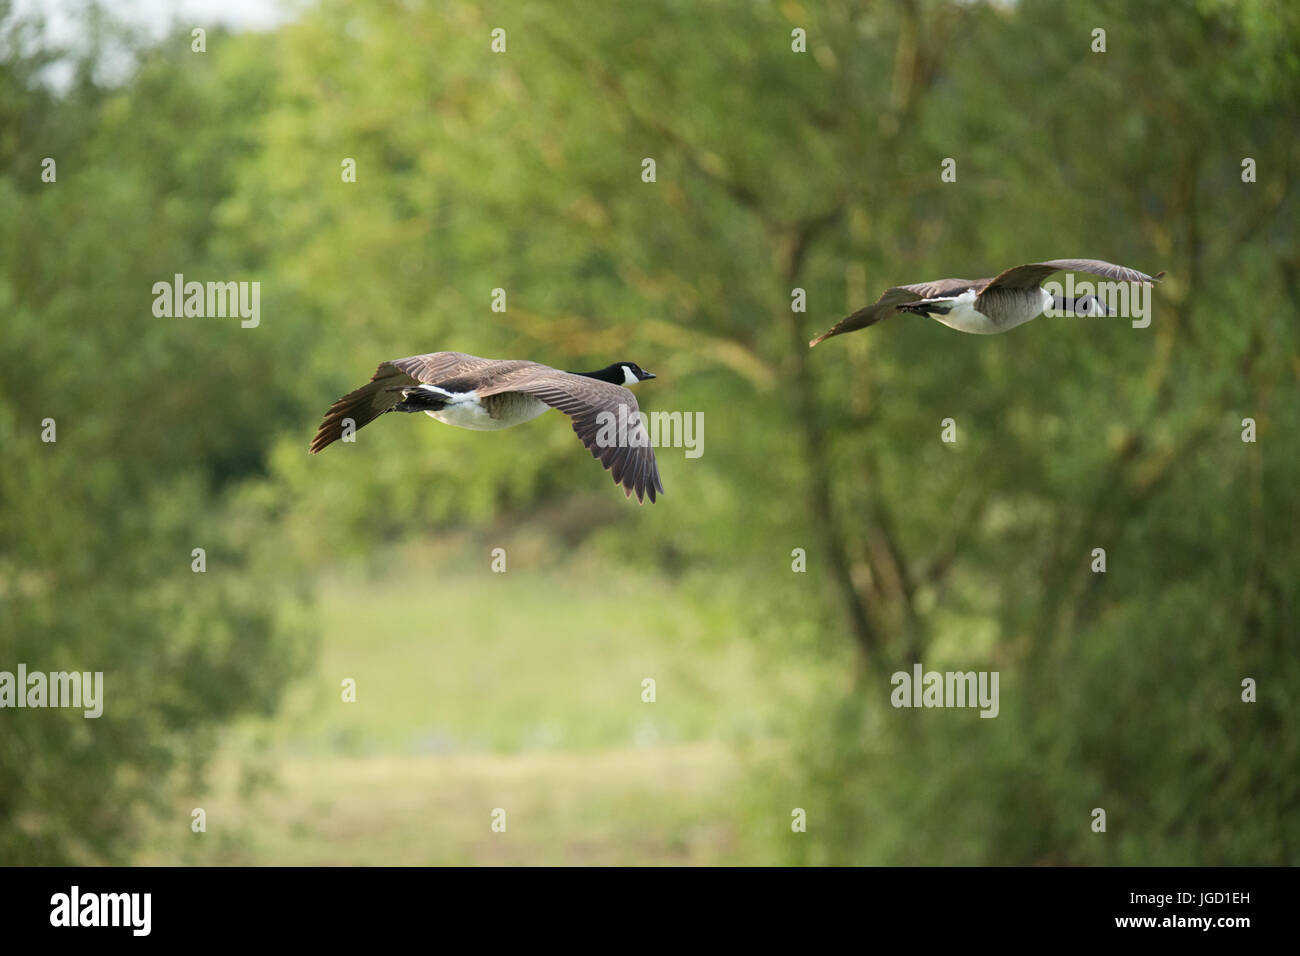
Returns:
<point x="456" y="716"/>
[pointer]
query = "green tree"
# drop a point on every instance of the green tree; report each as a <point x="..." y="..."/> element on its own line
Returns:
<point x="154" y="422"/>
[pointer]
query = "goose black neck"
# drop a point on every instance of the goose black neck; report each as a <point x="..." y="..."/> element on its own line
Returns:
<point x="611" y="373"/>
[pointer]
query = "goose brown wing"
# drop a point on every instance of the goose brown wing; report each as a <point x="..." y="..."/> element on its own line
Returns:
<point x="435" y="368"/>
<point x="371" y="400"/>
<point x="605" y="418"/>
<point x="1032" y="275"/>
<point x="889" y="301"/>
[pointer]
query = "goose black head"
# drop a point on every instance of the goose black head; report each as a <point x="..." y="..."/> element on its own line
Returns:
<point x="620" y="373"/>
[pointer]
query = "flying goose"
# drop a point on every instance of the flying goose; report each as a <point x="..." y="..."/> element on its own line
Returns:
<point x="489" y="394"/>
<point x="988" y="306"/>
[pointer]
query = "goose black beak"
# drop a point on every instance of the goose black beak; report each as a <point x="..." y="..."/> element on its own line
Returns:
<point x="645" y="375"/>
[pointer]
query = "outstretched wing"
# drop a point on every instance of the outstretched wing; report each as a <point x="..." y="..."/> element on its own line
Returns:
<point x="888" y="304"/>
<point x="1031" y="276"/>
<point x="377" y="396"/>
<point x="605" y="417"/>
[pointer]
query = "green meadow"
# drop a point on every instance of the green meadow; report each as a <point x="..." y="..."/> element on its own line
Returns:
<point x="461" y="709"/>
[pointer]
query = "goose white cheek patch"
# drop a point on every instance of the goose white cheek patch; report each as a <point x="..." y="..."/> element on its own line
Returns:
<point x="1130" y="300"/>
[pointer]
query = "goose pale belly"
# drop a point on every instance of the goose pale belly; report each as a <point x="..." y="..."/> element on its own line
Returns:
<point x="999" y="310"/>
<point x="466" y="410"/>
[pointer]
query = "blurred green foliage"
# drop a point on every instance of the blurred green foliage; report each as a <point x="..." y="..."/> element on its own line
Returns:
<point x="775" y="170"/>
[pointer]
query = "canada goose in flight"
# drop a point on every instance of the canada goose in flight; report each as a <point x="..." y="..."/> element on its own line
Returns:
<point x="988" y="306"/>
<point x="488" y="394"/>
